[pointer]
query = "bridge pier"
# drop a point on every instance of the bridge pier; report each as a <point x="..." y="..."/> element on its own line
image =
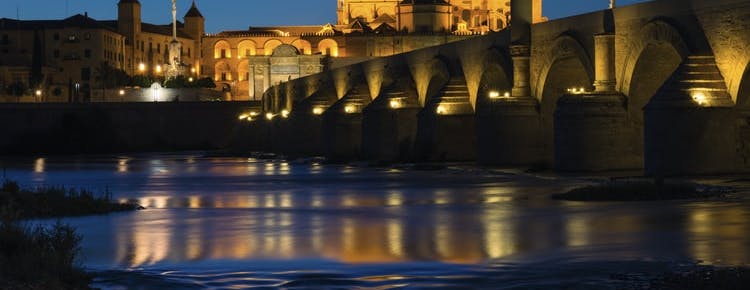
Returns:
<point x="591" y="133"/>
<point x="342" y="126"/>
<point x="446" y="127"/>
<point x="689" y="124"/>
<point x="509" y="128"/>
<point x="389" y="127"/>
<point x="591" y="129"/>
<point x="302" y="131"/>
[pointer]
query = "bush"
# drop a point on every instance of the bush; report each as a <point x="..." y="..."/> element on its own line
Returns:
<point x="40" y="258"/>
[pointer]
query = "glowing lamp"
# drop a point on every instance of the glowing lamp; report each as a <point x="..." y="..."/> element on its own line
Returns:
<point x="317" y="111"/>
<point x="122" y="92"/>
<point x="285" y="114"/>
<point x="350" y="109"/>
<point x="158" y="68"/>
<point x="142" y="67"/>
<point x="269" y="116"/>
<point x="441" y="110"/>
<point x="395" y="104"/>
<point x="38" y="93"/>
<point x="506" y="94"/>
<point x="494" y="94"/>
<point x="243" y="116"/>
<point x="700" y="98"/>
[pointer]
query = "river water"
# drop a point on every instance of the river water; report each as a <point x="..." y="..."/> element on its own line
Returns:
<point x="239" y="223"/>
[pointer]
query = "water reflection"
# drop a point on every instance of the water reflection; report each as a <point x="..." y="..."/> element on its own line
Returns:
<point x="214" y="210"/>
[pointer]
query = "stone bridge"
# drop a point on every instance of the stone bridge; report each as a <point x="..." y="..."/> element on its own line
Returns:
<point x="661" y="86"/>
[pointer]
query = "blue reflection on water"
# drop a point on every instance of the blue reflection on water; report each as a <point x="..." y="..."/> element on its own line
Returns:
<point x="238" y="222"/>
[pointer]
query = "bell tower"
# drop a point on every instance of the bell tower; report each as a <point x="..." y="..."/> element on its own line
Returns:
<point x="129" y="24"/>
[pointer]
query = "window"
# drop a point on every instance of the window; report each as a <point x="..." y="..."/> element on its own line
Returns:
<point x="56" y="36"/>
<point x="247" y="76"/>
<point x="5" y="39"/>
<point x="223" y="76"/>
<point x="158" y="48"/>
<point x="150" y="47"/>
<point x="85" y="74"/>
<point x="87" y="36"/>
<point x="57" y="53"/>
<point x="223" y="53"/>
<point x="87" y="53"/>
<point x="188" y="52"/>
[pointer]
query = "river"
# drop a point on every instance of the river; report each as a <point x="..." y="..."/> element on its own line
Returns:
<point x="242" y="223"/>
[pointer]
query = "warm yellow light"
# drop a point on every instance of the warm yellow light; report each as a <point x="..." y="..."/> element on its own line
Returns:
<point x="269" y="116"/>
<point x="494" y="94"/>
<point x="122" y="92"/>
<point x="317" y="111"/>
<point x="285" y="114"/>
<point x="142" y="67"/>
<point x="190" y="79"/>
<point x="700" y="98"/>
<point x="38" y="93"/>
<point x="158" y="68"/>
<point x="192" y="70"/>
<point x="243" y="116"/>
<point x="253" y="114"/>
<point x="350" y="109"/>
<point x="395" y="104"/>
<point x="441" y="110"/>
<point x="506" y="94"/>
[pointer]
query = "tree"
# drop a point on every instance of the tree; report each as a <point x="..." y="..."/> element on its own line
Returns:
<point x="110" y="77"/>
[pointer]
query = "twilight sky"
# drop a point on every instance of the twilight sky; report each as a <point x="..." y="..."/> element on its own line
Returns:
<point x="238" y="14"/>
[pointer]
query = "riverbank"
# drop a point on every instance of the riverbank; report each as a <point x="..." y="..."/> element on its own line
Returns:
<point x="37" y="257"/>
<point x="644" y="189"/>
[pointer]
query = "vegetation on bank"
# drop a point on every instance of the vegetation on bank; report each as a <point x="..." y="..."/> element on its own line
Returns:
<point x="38" y="257"/>
<point x="642" y="190"/>
<point x="704" y="277"/>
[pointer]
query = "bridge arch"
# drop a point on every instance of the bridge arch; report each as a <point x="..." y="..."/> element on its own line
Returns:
<point x="566" y="53"/>
<point x="656" y="52"/>
<point x="566" y="65"/>
<point x="658" y="35"/>
<point x="743" y="92"/>
<point x="495" y="79"/>
<point x="438" y="78"/>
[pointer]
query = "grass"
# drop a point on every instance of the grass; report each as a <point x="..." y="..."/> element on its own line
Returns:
<point x="38" y="257"/>
<point x="642" y="190"/>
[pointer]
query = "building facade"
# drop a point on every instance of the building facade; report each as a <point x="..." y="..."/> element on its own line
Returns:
<point x="60" y="57"/>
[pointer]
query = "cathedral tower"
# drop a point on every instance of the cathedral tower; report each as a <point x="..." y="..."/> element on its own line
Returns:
<point x="425" y="15"/>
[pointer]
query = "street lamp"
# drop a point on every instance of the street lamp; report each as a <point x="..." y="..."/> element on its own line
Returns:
<point x="38" y="94"/>
<point x="142" y="67"/>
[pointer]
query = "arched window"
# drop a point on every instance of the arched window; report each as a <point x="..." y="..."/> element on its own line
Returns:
<point x="222" y="49"/>
<point x="328" y="47"/>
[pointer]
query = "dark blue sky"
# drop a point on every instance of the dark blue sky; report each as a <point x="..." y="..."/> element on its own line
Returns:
<point x="238" y="14"/>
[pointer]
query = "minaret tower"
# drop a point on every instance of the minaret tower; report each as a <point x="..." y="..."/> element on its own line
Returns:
<point x="175" y="47"/>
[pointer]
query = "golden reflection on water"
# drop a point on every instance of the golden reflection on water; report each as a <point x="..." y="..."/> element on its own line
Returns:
<point x="719" y="236"/>
<point x="40" y="165"/>
<point x="267" y="225"/>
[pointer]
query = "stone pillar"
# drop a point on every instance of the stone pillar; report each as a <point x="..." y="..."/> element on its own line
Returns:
<point x="604" y="47"/>
<point x="521" y="70"/>
<point x="520" y="21"/>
